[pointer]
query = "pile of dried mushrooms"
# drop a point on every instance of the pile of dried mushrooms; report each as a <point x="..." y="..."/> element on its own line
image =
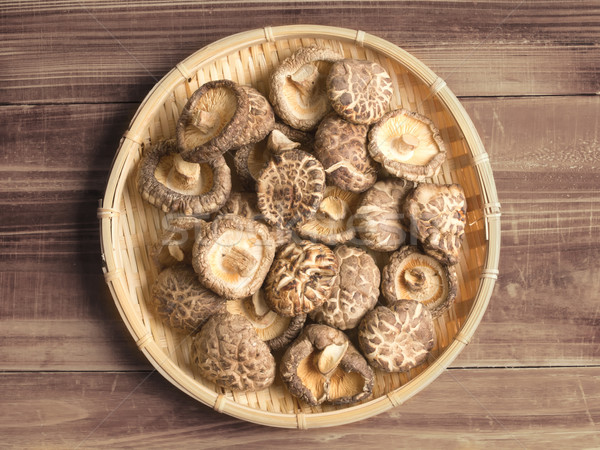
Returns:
<point x="328" y="254"/>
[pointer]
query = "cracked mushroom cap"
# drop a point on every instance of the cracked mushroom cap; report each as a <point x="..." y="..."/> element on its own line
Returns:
<point x="332" y="224"/>
<point x="301" y="278"/>
<point x="407" y="145"/>
<point x="176" y="242"/>
<point x="298" y="91"/>
<point x="379" y="219"/>
<point x="173" y="185"/>
<point x="437" y="217"/>
<point x="277" y="331"/>
<point x="397" y="338"/>
<point x="228" y="352"/>
<point x="355" y="291"/>
<point x="180" y="300"/>
<point x="290" y="188"/>
<point x="412" y="275"/>
<point x="359" y="91"/>
<point x="321" y="365"/>
<point x="232" y="255"/>
<point x="341" y="147"/>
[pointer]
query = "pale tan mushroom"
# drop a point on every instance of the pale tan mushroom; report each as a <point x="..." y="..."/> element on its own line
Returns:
<point x="321" y="365"/>
<point x="168" y="182"/>
<point x="407" y="145"/>
<point x="176" y="242"/>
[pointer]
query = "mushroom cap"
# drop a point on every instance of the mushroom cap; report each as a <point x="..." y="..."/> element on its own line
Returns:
<point x="276" y="330"/>
<point x="379" y="215"/>
<point x="179" y="299"/>
<point x="355" y="291"/>
<point x="332" y="224"/>
<point x="341" y="147"/>
<point x="397" y="338"/>
<point x="407" y="144"/>
<point x="437" y="217"/>
<point x="213" y="120"/>
<point x="261" y="118"/>
<point x="232" y="255"/>
<point x="360" y="91"/>
<point x="301" y="278"/>
<point x="412" y="275"/>
<point x="297" y="87"/>
<point x="176" y="242"/>
<point x="167" y="182"/>
<point x="321" y="365"/>
<point x="290" y="188"/>
<point x="228" y="352"/>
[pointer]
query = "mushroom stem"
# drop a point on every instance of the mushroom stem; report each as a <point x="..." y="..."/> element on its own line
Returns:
<point x="183" y="175"/>
<point x="415" y="279"/>
<point x="305" y="80"/>
<point x="330" y="357"/>
<point x="405" y="146"/>
<point x="279" y="143"/>
<point x="333" y="208"/>
<point x="259" y="304"/>
<point x="205" y="121"/>
<point x="239" y="261"/>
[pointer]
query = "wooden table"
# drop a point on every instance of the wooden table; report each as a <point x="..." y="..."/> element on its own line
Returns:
<point x="72" y="75"/>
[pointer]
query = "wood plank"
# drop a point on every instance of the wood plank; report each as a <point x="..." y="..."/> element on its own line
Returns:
<point x="495" y="408"/>
<point x="69" y="51"/>
<point x="50" y="277"/>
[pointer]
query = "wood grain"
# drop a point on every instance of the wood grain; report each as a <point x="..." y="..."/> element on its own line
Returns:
<point x="69" y="51"/>
<point x="519" y="408"/>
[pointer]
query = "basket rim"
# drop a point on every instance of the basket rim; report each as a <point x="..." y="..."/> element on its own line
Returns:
<point x="109" y="214"/>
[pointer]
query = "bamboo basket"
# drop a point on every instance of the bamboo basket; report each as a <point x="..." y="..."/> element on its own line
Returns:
<point x="129" y="226"/>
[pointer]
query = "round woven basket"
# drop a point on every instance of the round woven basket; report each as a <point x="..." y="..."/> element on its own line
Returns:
<point x="130" y="226"/>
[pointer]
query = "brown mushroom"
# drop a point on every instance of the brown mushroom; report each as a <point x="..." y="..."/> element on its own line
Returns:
<point x="412" y="275"/>
<point x="276" y="330"/>
<point x="359" y="91"/>
<point x="298" y="92"/>
<point x="321" y="365"/>
<point x="355" y="291"/>
<point x="179" y="299"/>
<point x="290" y="188"/>
<point x="397" y="338"/>
<point x="407" y="145"/>
<point x="232" y="255"/>
<point x="437" y="217"/>
<point x="301" y="278"/>
<point x="379" y="220"/>
<point x="332" y="224"/>
<point x="219" y="116"/>
<point x="168" y="182"/>
<point x="228" y="352"/>
<point x="175" y="243"/>
<point x="341" y="147"/>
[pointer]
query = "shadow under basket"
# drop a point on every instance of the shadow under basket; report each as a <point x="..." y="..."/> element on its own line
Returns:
<point x="130" y="226"/>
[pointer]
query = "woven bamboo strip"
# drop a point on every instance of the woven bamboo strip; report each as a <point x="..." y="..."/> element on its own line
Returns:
<point x="129" y="225"/>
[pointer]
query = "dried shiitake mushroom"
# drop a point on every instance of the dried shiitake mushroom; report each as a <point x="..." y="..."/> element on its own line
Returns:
<point x="407" y="145"/>
<point x="276" y="330"/>
<point x="341" y="147"/>
<point x="437" y="217"/>
<point x="332" y="224"/>
<point x="219" y="116"/>
<point x="360" y="91"/>
<point x="290" y="188"/>
<point x="171" y="184"/>
<point x="298" y="92"/>
<point x="232" y="255"/>
<point x="301" y="278"/>
<point x="397" y="338"/>
<point x="379" y="219"/>
<point x="176" y="242"/>
<point x="321" y="365"/>
<point x="412" y="275"/>
<point x="355" y="291"/>
<point x="228" y="352"/>
<point x="180" y="300"/>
